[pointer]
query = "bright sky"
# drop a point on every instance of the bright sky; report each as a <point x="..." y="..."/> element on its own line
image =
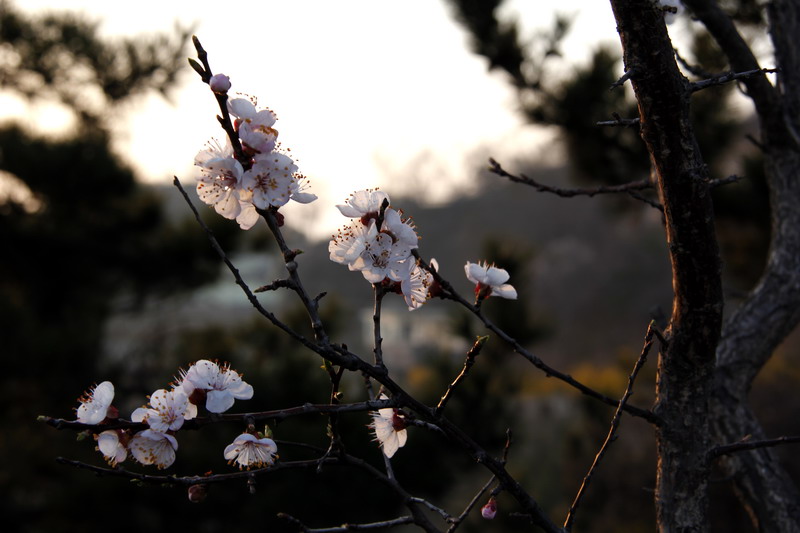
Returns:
<point x="368" y="93"/>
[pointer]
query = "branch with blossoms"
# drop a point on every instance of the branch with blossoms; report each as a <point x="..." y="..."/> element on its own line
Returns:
<point x="246" y="178"/>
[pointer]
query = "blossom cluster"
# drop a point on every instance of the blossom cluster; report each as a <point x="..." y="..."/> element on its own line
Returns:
<point x="205" y="383"/>
<point x="261" y="177"/>
<point x="379" y="243"/>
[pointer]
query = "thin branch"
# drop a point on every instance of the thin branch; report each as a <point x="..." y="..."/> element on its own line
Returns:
<point x="399" y="521"/>
<point x="447" y="517"/>
<point x="241" y="418"/>
<point x="619" y="121"/>
<point x="449" y="293"/>
<point x="479" y="495"/>
<point x="495" y="167"/>
<point x="625" y="77"/>
<point x="238" y="277"/>
<point x="222" y="100"/>
<point x="611" y="436"/>
<point x="727" y="78"/>
<point x="468" y="362"/>
<point x="695" y="70"/>
<point x="745" y="445"/>
<point x="376" y="322"/>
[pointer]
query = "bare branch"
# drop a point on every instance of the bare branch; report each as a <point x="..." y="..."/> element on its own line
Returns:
<point x="727" y="78"/>
<point x="495" y="167"/>
<point x="619" y="121"/>
<point x="611" y="436"/>
<point x="237" y="276"/>
<point x="448" y="292"/>
<point x="470" y="360"/>
<point x="625" y="77"/>
<point x="241" y="418"/>
<point x="745" y="445"/>
<point x="399" y="521"/>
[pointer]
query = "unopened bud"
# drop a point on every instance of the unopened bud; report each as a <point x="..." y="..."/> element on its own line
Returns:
<point x="219" y="83"/>
<point x="489" y="510"/>
<point x="198" y="493"/>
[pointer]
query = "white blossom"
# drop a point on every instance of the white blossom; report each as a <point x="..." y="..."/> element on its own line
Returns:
<point x="489" y="281"/>
<point x="254" y="126"/>
<point x="112" y="447"/>
<point x="390" y="429"/>
<point x="154" y="448"/>
<point x="415" y="284"/>
<point x="377" y="253"/>
<point x="248" y="450"/>
<point x="167" y="411"/>
<point x="220" y="386"/>
<point x="95" y="403"/>
<point x="363" y="204"/>
<point x="220" y="182"/>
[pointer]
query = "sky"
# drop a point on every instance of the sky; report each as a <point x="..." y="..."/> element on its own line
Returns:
<point x="368" y="93"/>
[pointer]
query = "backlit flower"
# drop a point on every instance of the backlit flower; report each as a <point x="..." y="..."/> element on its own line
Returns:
<point x="111" y="444"/>
<point x="219" y="184"/>
<point x="254" y="126"/>
<point x="270" y="180"/>
<point x="249" y="451"/>
<point x="154" y="448"/>
<point x="415" y="284"/>
<point x="167" y="411"/>
<point x="95" y="403"/>
<point x="218" y="386"/>
<point x="390" y="429"/>
<point x="489" y="281"/>
<point x="364" y="205"/>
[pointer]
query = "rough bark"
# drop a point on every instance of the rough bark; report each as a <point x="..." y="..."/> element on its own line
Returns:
<point x="772" y="310"/>
<point x="685" y="368"/>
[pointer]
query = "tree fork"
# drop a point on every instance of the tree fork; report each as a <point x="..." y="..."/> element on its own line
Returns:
<point x="685" y="367"/>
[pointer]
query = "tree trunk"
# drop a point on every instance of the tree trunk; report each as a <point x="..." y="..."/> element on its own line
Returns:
<point x="685" y="368"/>
<point x="772" y="310"/>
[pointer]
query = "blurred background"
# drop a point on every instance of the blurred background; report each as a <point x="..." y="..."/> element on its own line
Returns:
<point x="105" y="276"/>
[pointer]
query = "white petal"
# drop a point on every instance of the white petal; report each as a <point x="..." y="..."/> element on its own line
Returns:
<point x="496" y="276"/>
<point x="303" y="197"/>
<point x="505" y="291"/>
<point x="241" y="108"/>
<point x="139" y="415"/>
<point x="219" y="401"/>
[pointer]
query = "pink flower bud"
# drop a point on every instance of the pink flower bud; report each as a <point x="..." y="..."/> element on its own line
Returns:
<point x="489" y="510"/>
<point x="220" y="83"/>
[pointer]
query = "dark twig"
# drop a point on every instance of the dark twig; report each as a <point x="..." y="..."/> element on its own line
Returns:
<point x="479" y="495"/>
<point x="239" y="281"/>
<point x="611" y="436"/>
<point x="495" y="167"/>
<point x="240" y="418"/>
<point x="376" y="321"/>
<point x="625" y="77"/>
<point x="648" y="201"/>
<point x="733" y="178"/>
<point x="399" y="521"/>
<point x="727" y="78"/>
<point x="448" y="292"/>
<point x="275" y="285"/>
<point x="468" y="362"/>
<point x="619" y="121"/>
<point x="222" y="100"/>
<point x="695" y="70"/>
<point x="745" y="445"/>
